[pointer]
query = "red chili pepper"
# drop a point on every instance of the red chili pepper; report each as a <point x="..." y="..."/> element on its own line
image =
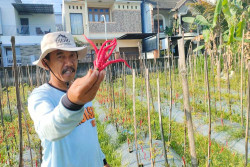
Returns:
<point x="141" y="148"/>
<point x="103" y="54"/>
<point x="183" y="160"/>
<point x="221" y="149"/>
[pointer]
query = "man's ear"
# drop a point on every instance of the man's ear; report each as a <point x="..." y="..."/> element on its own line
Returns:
<point x="44" y="62"/>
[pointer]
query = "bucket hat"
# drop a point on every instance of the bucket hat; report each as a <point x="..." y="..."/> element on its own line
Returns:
<point x="59" y="41"/>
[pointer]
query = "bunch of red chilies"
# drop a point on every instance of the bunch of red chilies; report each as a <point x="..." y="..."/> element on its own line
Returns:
<point x="103" y="54"/>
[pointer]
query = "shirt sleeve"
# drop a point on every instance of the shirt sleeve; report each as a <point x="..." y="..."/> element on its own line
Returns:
<point x="52" y="122"/>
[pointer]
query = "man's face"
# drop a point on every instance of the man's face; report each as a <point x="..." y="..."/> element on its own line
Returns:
<point x="63" y="64"/>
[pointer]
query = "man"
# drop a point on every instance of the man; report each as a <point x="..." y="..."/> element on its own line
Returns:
<point x="62" y="110"/>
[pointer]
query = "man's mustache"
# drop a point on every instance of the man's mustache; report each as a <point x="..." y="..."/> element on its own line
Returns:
<point x="68" y="69"/>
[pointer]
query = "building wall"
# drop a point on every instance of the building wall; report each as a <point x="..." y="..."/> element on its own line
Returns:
<point x="45" y="21"/>
<point x="29" y="53"/>
<point x="8" y="23"/>
<point x="74" y="8"/>
<point x="123" y="21"/>
<point x="147" y="17"/>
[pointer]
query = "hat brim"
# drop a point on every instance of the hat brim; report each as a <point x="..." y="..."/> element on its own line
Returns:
<point x="82" y="52"/>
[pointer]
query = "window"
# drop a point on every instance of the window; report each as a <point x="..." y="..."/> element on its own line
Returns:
<point x="76" y="7"/>
<point x="24" y="26"/>
<point x="80" y="7"/>
<point x="119" y="6"/>
<point x="127" y="7"/>
<point x="76" y="23"/>
<point x="160" y="25"/>
<point x="135" y="7"/>
<point x="131" y="7"/>
<point x="69" y="6"/>
<point x="95" y="14"/>
<point x="73" y="7"/>
<point x="8" y="61"/>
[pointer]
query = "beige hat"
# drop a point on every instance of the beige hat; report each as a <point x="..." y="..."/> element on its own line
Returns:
<point x="59" y="41"/>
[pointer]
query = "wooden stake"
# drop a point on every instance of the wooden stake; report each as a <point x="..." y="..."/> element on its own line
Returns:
<point x="29" y="76"/>
<point x="18" y="103"/>
<point x="171" y="96"/>
<point x="248" y="112"/>
<point x="37" y="76"/>
<point x="7" y="93"/>
<point x="149" y="122"/>
<point x="209" y="110"/>
<point x="185" y="88"/>
<point x="160" y="122"/>
<point x="136" y="149"/>
<point x="241" y="80"/>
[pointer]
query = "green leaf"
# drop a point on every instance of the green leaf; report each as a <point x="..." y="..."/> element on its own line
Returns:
<point x="240" y="39"/>
<point x="217" y="12"/>
<point x="199" y="48"/>
<point x="206" y="34"/>
<point x="240" y="27"/>
<point x="231" y="34"/>
<point x="201" y="20"/>
<point x="226" y="11"/>
<point x="188" y="20"/>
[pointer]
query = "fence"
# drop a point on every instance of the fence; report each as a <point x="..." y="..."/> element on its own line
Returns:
<point x="31" y="73"/>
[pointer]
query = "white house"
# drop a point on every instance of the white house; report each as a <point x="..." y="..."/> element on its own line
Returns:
<point x="28" y="23"/>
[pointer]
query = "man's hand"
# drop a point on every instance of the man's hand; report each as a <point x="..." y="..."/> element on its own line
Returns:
<point x="106" y="165"/>
<point x="84" y="89"/>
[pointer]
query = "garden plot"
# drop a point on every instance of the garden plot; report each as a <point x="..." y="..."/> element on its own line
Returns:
<point x="129" y="159"/>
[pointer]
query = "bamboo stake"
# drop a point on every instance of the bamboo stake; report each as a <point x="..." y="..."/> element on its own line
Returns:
<point x="27" y="131"/>
<point x="18" y="104"/>
<point x="149" y="122"/>
<point x="209" y="110"/>
<point x="218" y="77"/>
<point x="21" y="80"/>
<point x="185" y="88"/>
<point x="30" y="79"/>
<point x="7" y="93"/>
<point x="37" y="76"/>
<point x="136" y="148"/>
<point x="248" y="112"/>
<point x="228" y="85"/>
<point x="170" y="85"/>
<point x="160" y="122"/>
<point x="25" y="118"/>
<point x="241" y="80"/>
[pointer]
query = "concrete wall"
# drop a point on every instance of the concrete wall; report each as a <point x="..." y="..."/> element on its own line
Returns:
<point x="8" y="16"/>
<point x="29" y="53"/>
<point x="123" y="21"/>
<point x="78" y="8"/>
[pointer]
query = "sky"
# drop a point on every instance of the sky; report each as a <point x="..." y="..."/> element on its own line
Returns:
<point x="56" y="3"/>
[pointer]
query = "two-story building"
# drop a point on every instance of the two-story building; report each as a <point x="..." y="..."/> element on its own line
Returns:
<point x="28" y="23"/>
<point x="106" y="19"/>
<point x="168" y="14"/>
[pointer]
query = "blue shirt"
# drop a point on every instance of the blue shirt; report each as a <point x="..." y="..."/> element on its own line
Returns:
<point x="69" y="138"/>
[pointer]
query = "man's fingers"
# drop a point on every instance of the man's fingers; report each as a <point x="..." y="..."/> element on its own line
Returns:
<point x="88" y="81"/>
<point x="92" y="92"/>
